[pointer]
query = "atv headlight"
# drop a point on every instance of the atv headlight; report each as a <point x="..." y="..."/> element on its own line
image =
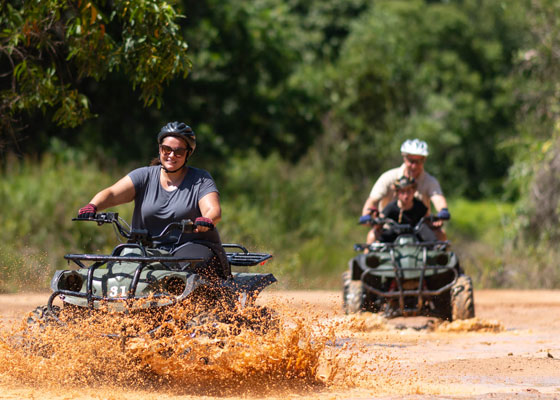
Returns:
<point x="175" y="286"/>
<point x="440" y="259"/>
<point x="69" y="281"/>
<point x="74" y="282"/>
<point x="372" y="260"/>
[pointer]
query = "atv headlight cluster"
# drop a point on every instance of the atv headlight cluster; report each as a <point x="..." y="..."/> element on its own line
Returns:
<point x="67" y="280"/>
<point x="372" y="260"/>
<point x="175" y="286"/>
<point x="439" y="259"/>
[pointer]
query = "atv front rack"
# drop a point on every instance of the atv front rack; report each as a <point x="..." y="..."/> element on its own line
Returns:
<point x="78" y="258"/>
<point x="95" y="261"/>
<point x="379" y="246"/>
<point x="101" y="260"/>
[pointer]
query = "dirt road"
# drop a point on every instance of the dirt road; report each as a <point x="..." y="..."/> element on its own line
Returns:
<point x="511" y="350"/>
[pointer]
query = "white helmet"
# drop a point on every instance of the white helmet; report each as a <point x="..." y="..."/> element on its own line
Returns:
<point x="415" y="147"/>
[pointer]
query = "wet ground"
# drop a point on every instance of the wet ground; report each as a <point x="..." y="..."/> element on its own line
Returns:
<point x="510" y="350"/>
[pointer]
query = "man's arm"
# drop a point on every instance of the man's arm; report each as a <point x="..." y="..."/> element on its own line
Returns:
<point x="370" y="204"/>
<point x="439" y="201"/>
<point x="380" y="190"/>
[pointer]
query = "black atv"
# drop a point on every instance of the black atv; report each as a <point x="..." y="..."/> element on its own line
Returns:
<point x="139" y="277"/>
<point x="415" y="275"/>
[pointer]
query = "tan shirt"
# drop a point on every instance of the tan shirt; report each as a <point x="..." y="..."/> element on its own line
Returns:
<point x="383" y="192"/>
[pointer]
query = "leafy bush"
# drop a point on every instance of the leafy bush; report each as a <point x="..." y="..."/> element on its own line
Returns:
<point x="479" y="232"/>
<point x="300" y="213"/>
<point x="39" y="199"/>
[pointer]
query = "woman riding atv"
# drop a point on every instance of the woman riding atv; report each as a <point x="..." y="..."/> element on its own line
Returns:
<point x="170" y="191"/>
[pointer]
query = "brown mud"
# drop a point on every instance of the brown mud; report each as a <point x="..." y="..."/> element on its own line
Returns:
<point x="510" y="350"/>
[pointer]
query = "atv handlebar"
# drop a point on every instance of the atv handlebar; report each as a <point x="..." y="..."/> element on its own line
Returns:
<point x="401" y="229"/>
<point x="141" y="236"/>
<point x="138" y="235"/>
<point x="388" y="221"/>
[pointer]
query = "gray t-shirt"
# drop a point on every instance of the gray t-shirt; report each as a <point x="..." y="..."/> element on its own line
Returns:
<point x="155" y="207"/>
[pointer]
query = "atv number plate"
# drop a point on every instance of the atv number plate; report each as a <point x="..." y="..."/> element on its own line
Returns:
<point x="114" y="292"/>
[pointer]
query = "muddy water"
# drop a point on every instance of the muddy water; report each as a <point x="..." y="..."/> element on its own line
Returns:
<point x="510" y="350"/>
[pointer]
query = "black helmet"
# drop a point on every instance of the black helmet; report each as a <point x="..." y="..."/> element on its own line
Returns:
<point x="178" y="129"/>
<point x="404" y="182"/>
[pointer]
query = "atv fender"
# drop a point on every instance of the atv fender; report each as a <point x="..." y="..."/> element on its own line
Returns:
<point x="249" y="285"/>
<point x="250" y="282"/>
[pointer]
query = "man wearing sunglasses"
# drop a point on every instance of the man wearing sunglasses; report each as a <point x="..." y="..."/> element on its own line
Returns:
<point x="428" y="189"/>
<point x="170" y="191"/>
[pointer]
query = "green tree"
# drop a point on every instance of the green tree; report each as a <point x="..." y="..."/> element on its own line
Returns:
<point x="434" y="71"/>
<point x="50" y="49"/>
<point x="536" y="168"/>
<point x="240" y="95"/>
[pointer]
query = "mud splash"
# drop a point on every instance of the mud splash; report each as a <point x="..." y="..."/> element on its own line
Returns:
<point x="358" y="323"/>
<point x="369" y="323"/>
<point x="471" y="325"/>
<point x="253" y="353"/>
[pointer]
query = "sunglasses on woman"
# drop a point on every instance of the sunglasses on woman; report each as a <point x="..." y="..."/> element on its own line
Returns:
<point x="178" y="151"/>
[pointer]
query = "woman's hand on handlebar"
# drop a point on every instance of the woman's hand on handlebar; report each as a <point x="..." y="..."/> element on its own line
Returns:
<point x="87" y="211"/>
<point x="203" y="224"/>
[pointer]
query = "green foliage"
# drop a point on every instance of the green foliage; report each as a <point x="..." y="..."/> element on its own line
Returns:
<point x="485" y="236"/>
<point x="297" y="212"/>
<point x="534" y="174"/>
<point x="433" y="71"/>
<point x="485" y="220"/>
<point x="478" y="231"/>
<point x="39" y="199"/>
<point x="537" y="164"/>
<point x="355" y="77"/>
<point x="48" y="47"/>
<point x="240" y="93"/>
<point x="298" y="106"/>
<point x="304" y="215"/>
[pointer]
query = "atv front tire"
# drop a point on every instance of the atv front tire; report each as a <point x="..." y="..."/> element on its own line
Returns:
<point x="462" y="299"/>
<point x="37" y="321"/>
<point x="352" y="294"/>
<point x="41" y="317"/>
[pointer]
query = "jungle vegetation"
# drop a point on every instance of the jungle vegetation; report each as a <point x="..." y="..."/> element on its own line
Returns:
<point x="298" y="107"/>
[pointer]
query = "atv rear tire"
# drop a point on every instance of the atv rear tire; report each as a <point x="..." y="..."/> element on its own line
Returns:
<point x="352" y="294"/>
<point x="462" y="299"/>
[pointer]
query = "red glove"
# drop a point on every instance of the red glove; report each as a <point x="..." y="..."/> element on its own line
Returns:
<point x="87" y="211"/>
<point x="203" y="221"/>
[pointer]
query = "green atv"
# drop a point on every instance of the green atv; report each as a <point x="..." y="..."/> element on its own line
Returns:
<point x="139" y="277"/>
<point x="415" y="275"/>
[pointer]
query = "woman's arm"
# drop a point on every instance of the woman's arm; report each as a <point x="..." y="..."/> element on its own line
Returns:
<point x="210" y="208"/>
<point x="119" y="193"/>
